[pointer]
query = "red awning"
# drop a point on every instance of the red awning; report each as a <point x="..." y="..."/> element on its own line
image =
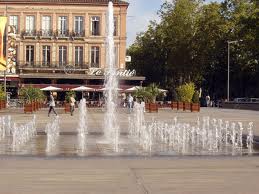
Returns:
<point x="67" y="87"/>
<point x="10" y="79"/>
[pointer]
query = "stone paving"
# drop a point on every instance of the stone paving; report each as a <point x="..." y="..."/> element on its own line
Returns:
<point x="189" y="175"/>
<point x="130" y="175"/>
<point x="69" y="123"/>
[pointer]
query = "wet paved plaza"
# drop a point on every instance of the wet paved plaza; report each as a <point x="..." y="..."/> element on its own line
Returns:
<point x="68" y="143"/>
<point x="99" y="170"/>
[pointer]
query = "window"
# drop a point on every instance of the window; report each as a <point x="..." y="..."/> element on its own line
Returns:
<point x="95" y="25"/>
<point x="95" y="56"/>
<point x="78" y="55"/>
<point x="79" y="25"/>
<point x="115" y="33"/>
<point x="62" y="55"/>
<point x="30" y="25"/>
<point x="62" y="25"/>
<point x="13" y="21"/>
<point x="46" y="55"/>
<point x="30" y="54"/>
<point x="46" y="25"/>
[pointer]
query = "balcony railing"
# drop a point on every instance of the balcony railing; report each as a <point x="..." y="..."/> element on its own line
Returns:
<point x="78" y="34"/>
<point x="58" y="34"/>
<point x="51" y="65"/>
<point x="46" y="33"/>
<point x="28" y="33"/>
<point x="95" y="65"/>
<point x="62" y="34"/>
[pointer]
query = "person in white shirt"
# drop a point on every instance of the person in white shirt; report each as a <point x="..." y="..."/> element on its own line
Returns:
<point x="51" y="104"/>
<point x="208" y="100"/>
<point x="142" y="102"/>
<point x="72" y="105"/>
<point x="130" y="103"/>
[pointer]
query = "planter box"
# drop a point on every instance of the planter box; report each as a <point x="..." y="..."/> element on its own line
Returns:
<point x="34" y="106"/>
<point x="174" y="105"/>
<point x="40" y="105"/>
<point x="152" y="107"/>
<point x="195" y="107"/>
<point x="37" y="105"/>
<point x="147" y="107"/>
<point x="67" y="107"/>
<point x="179" y="105"/>
<point x="28" y="108"/>
<point x="2" y="104"/>
<point x="186" y="106"/>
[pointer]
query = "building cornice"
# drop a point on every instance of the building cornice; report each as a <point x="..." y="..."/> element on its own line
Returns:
<point x="65" y="2"/>
<point x="73" y="76"/>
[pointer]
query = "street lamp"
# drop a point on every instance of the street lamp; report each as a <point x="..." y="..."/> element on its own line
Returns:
<point x="230" y="42"/>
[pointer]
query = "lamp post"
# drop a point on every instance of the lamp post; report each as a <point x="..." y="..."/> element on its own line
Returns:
<point x="230" y="42"/>
<point x="6" y="40"/>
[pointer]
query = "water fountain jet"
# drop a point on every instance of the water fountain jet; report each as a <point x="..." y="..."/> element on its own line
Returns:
<point x="111" y="126"/>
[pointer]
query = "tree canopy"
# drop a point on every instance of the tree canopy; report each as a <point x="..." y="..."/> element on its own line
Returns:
<point x="190" y="44"/>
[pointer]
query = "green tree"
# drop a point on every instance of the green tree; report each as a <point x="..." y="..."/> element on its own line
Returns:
<point x="190" y="44"/>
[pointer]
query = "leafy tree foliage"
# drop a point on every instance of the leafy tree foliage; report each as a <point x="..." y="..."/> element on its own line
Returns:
<point x="30" y="94"/>
<point x="185" y="92"/>
<point x="190" y="44"/>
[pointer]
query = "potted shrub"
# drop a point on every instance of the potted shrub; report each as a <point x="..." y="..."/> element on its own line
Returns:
<point x="141" y="93"/>
<point x="25" y="95"/>
<point x="149" y="95"/>
<point x="67" y="100"/>
<point x="195" y="106"/>
<point x="152" y="92"/>
<point x="30" y="96"/>
<point x="185" y="93"/>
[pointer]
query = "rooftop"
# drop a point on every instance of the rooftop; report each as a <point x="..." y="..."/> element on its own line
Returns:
<point x="64" y="2"/>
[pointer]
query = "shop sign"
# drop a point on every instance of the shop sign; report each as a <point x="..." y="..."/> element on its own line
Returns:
<point x="119" y="72"/>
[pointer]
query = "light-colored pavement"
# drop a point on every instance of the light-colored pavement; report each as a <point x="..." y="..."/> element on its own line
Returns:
<point x="130" y="176"/>
<point x="115" y="175"/>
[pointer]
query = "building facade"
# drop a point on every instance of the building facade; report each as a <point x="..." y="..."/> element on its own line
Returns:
<point x="62" y="42"/>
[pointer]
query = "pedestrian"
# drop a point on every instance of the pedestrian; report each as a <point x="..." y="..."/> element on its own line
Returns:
<point x="130" y="103"/>
<point x="123" y="99"/>
<point x="51" y="104"/>
<point x="142" y="102"/>
<point x="72" y="105"/>
<point x="208" y="100"/>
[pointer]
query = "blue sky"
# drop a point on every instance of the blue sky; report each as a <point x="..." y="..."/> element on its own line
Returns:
<point x="140" y="12"/>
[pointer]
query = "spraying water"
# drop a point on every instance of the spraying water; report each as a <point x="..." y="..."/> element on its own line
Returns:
<point x="52" y="130"/>
<point x="82" y="126"/>
<point x="111" y="130"/>
<point x="206" y="137"/>
<point x="23" y="134"/>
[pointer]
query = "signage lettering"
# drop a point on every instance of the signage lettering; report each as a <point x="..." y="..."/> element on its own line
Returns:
<point x="119" y="72"/>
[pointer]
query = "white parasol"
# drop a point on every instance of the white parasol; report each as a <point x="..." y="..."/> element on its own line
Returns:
<point x="51" y="88"/>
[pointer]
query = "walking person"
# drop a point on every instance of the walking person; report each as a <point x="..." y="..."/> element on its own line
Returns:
<point x="130" y="103"/>
<point x="72" y="105"/>
<point x="208" y="100"/>
<point x="52" y="104"/>
<point x="143" y="106"/>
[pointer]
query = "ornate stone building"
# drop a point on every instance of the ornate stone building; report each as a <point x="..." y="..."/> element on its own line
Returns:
<point x="62" y="42"/>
